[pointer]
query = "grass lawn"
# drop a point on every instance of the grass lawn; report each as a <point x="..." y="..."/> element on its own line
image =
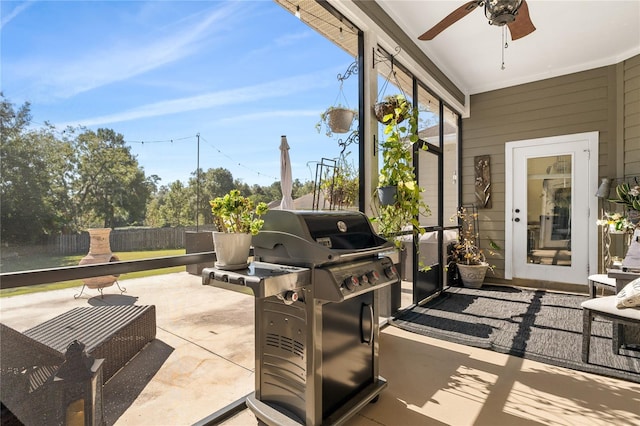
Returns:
<point x="26" y="263"/>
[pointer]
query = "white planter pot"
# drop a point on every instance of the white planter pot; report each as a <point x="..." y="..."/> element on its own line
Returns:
<point x="340" y="120"/>
<point x="472" y="275"/>
<point x="232" y="250"/>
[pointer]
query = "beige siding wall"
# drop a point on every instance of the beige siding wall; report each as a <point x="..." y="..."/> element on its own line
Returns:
<point x="631" y="158"/>
<point x="581" y="102"/>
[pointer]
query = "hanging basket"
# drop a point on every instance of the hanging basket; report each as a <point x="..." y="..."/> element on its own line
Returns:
<point x="386" y="107"/>
<point x="339" y="120"/>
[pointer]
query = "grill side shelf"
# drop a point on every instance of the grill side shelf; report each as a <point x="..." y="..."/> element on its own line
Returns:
<point x="260" y="279"/>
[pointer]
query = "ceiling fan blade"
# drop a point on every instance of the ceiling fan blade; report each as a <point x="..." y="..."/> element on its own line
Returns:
<point x="522" y="25"/>
<point x="450" y="19"/>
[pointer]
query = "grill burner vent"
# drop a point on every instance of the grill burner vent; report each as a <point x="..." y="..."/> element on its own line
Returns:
<point x="285" y="343"/>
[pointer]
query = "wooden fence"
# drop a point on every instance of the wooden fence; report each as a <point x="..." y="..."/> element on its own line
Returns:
<point x="126" y="239"/>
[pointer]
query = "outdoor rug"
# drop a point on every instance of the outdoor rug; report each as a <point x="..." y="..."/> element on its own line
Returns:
<point x="533" y="324"/>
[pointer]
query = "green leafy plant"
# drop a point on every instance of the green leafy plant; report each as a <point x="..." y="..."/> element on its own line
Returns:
<point x="628" y="195"/>
<point x="397" y="170"/>
<point x="234" y="213"/>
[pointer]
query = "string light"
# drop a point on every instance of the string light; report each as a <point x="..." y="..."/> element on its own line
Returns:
<point x="298" y="12"/>
<point x="212" y="146"/>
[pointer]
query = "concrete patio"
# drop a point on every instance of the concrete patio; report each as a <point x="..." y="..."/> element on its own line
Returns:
<point x="203" y="359"/>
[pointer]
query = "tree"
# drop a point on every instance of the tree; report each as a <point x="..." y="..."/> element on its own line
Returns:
<point x="213" y="183"/>
<point x="34" y="173"/>
<point x="111" y="187"/>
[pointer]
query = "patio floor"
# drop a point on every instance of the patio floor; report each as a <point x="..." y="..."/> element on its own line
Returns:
<point x="203" y="359"/>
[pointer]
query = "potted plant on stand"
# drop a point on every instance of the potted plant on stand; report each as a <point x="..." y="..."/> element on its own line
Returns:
<point x="466" y="255"/>
<point x="340" y="185"/>
<point x="236" y="220"/>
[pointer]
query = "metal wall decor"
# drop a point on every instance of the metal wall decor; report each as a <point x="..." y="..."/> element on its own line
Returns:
<point x="482" y="167"/>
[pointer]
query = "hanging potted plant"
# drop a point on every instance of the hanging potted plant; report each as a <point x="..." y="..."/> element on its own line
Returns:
<point x="397" y="160"/>
<point x="397" y="174"/>
<point x="236" y="220"/>
<point x="388" y="106"/>
<point x="336" y="119"/>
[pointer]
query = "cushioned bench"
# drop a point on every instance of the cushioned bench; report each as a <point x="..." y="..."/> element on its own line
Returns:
<point x="29" y="360"/>
<point x="606" y="307"/>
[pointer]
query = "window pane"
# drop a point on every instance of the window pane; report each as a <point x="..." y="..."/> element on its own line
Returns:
<point x="450" y="172"/>
<point x="428" y="117"/>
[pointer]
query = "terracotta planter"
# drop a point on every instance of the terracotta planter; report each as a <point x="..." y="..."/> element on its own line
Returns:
<point x="472" y="275"/>
<point x="99" y="252"/>
<point x="232" y="250"/>
<point x="339" y="120"/>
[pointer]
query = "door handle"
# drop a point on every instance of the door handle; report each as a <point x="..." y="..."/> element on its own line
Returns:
<point x="363" y="309"/>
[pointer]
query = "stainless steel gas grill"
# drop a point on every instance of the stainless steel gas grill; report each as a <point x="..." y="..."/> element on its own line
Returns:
<point x="315" y="277"/>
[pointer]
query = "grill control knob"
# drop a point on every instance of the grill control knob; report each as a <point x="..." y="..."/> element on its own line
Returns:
<point x="391" y="271"/>
<point x="351" y="283"/>
<point x="374" y="277"/>
<point x="364" y="280"/>
<point x="290" y="296"/>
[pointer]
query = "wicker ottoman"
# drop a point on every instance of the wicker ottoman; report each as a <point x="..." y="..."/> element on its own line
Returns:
<point x="115" y="333"/>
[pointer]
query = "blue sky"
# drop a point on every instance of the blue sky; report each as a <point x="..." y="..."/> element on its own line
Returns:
<point x="239" y="73"/>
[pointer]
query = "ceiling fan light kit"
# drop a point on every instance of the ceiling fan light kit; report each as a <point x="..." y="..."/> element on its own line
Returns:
<point x="501" y="12"/>
<point x="512" y="13"/>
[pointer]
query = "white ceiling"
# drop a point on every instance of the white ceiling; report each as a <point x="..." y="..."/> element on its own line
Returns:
<point x="571" y="36"/>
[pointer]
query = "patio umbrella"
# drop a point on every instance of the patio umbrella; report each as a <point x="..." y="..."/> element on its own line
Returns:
<point x="286" y="182"/>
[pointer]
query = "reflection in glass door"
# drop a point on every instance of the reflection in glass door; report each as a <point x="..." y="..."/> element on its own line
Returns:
<point x="549" y="194"/>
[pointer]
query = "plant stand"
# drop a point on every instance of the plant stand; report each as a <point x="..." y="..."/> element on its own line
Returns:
<point x="99" y="252"/>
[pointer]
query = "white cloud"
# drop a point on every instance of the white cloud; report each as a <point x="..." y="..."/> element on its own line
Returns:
<point x="15" y="12"/>
<point x="124" y="59"/>
<point x="274" y="89"/>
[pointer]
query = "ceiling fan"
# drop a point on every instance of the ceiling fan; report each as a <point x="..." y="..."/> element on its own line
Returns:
<point x="513" y="13"/>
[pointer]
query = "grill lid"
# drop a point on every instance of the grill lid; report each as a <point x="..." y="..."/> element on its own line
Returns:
<point x="311" y="238"/>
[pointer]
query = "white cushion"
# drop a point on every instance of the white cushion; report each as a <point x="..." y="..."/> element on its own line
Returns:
<point x="603" y="279"/>
<point x="629" y="296"/>
<point x="607" y="305"/>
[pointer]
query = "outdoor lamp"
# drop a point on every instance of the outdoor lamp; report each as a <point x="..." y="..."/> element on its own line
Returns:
<point x="79" y="388"/>
<point x="604" y="188"/>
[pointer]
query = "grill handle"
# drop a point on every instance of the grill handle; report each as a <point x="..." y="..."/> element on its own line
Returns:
<point x="356" y="254"/>
<point x="362" y="333"/>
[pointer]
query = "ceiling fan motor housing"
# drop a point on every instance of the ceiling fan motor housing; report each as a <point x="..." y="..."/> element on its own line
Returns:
<point x="501" y="12"/>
